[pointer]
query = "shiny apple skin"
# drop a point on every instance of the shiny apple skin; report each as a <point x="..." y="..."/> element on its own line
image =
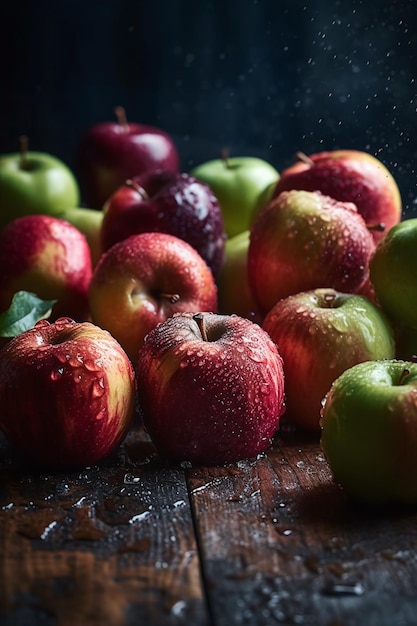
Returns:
<point x="47" y="256"/>
<point x="67" y="394"/>
<point x="214" y="401"/>
<point x="176" y="203"/>
<point x="304" y="240"/>
<point x="144" y="279"/>
<point x="349" y="176"/>
<point x="110" y="152"/>
<point x="320" y="334"/>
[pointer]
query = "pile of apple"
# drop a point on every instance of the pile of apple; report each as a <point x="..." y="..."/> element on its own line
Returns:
<point x="222" y="301"/>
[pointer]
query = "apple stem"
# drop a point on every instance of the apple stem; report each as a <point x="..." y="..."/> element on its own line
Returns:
<point x="172" y="297"/>
<point x="23" y="147"/>
<point x="199" y="318"/>
<point x="121" y="117"/>
<point x="225" y="154"/>
<point x="301" y="156"/>
<point x="140" y="190"/>
<point x="404" y="374"/>
<point x="378" y="227"/>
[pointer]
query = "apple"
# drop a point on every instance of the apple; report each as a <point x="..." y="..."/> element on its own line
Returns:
<point x="303" y="240"/>
<point x="144" y="279"/>
<point x="210" y="387"/>
<point x="237" y="183"/>
<point x="349" y="176"/>
<point x="169" y="202"/>
<point x="47" y="256"/>
<point x="89" y="222"/>
<point x="67" y="393"/>
<point x="369" y="431"/>
<point x="34" y="182"/>
<point x="110" y="152"/>
<point x="320" y="334"/>
<point x="234" y="294"/>
<point x="393" y="272"/>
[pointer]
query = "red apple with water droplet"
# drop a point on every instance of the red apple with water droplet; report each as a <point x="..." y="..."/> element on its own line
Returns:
<point x="144" y="279"/>
<point x="303" y="240"/>
<point x="110" y="152"/>
<point x="210" y="387"/>
<point x="47" y="256"/>
<point x="168" y="202"/>
<point x="320" y="334"/>
<point x="67" y="393"/>
<point x="349" y="176"/>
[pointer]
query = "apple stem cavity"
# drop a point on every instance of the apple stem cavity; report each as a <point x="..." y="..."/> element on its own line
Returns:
<point x="140" y="190"/>
<point x="199" y="318"/>
<point x="301" y="156"/>
<point x="23" y="147"/>
<point x="225" y="154"/>
<point x="121" y="117"/>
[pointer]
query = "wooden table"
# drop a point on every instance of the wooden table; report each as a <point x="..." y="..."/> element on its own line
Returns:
<point x="260" y="542"/>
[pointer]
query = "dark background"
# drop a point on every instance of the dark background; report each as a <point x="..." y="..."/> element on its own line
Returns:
<point x="262" y="77"/>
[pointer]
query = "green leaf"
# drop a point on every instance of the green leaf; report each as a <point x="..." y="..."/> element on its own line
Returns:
<point x="25" y="310"/>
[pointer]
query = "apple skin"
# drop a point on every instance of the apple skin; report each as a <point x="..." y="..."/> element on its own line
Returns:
<point x="144" y="279"/>
<point x="35" y="182"/>
<point x="234" y="294"/>
<point x="238" y="183"/>
<point x="47" y="256"/>
<point x="349" y="176"/>
<point x="319" y="335"/>
<point x="169" y="202"/>
<point x="110" y="152"/>
<point x="393" y="271"/>
<point x="89" y="222"/>
<point x="303" y="240"/>
<point x="210" y="387"/>
<point x="67" y="393"/>
<point x="369" y="432"/>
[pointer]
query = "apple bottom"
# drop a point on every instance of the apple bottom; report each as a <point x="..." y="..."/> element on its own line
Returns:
<point x="212" y="401"/>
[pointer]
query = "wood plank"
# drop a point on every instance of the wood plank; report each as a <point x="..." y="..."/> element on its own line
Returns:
<point x="112" y="544"/>
<point x="281" y="544"/>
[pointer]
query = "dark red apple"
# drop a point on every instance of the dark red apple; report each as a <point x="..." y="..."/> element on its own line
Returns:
<point x="168" y="202"/>
<point x="110" y="152"/>
<point x="349" y="176"/>
<point x="211" y="388"/>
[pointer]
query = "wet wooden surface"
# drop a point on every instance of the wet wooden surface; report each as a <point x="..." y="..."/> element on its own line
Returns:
<point x="260" y="542"/>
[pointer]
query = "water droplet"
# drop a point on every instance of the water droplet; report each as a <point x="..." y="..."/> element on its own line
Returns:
<point x="97" y="388"/>
<point x="345" y="589"/>
<point x="57" y="373"/>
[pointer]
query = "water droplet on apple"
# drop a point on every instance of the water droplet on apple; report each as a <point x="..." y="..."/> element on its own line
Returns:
<point x="91" y="366"/>
<point x="57" y="373"/>
<point x="97" y="388"/>
<point x="101" y="414"/>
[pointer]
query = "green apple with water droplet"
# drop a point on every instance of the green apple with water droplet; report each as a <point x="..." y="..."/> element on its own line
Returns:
<point x="210" y="388"/>
<point x="320" y="334"/>
<point x="67" y="394"/>
<point x="304" y="240"/>
<point x="369" y="431"/>
<point x="34" y="182"/>
<point x="240" y="184"/>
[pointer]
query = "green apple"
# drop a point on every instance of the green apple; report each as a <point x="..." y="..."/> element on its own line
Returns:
<point x="88" y="221"/>
<point x="369" y="431"/>
<point x="237" y="183"/>
<point x="393" y="272"/>
<point x="234" y="295"/>
<point x="34" y="182"/>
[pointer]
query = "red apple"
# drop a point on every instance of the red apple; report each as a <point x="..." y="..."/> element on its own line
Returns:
<point x="303" y="240"/>
<point x="210" y="387"/>
<point x="67" y="393"/>
<point x="144" y="279"/>
<point x="168" y="202"/>
<point x="319" y="334"/>
<point x="349" y="176"/>
<point x="50" y="257"/>
<point x="110" y="152"/>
